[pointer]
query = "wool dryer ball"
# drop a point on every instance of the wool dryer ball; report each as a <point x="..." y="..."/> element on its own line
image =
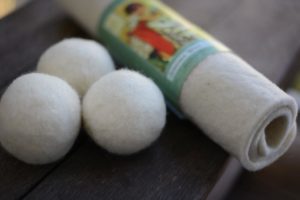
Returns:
<point x="39" y="118"/>
<point x="124" y="112"/>
<point x="80" y="62"/>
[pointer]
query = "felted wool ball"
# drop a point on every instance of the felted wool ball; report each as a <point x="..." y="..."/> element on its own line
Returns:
<point x="80" y="62"/>
<point x="39" y="118"/>
<point x="124" y="112"/>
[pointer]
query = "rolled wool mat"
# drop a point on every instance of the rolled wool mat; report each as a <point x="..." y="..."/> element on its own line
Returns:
<point x="236" y="106"/>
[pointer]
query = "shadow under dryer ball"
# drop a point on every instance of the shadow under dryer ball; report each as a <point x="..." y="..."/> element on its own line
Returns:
<point x="124" y="112"/>
<point x="236" y="106"/>
<point x="80" y="62"/>
<point x="39" y="118"/>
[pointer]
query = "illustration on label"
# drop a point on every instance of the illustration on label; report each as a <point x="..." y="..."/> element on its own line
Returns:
<point x="150" y="37"/>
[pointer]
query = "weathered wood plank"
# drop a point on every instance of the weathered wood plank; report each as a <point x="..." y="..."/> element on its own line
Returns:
<point x="280" y="181"/>
<point x="183" y="164"/>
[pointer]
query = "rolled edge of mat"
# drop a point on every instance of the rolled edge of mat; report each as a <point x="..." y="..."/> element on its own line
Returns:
<point x="271" y="138"/>
<point x="256" y="139"/>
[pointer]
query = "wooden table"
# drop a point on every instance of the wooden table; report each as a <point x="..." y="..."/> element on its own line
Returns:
<point x="184" y="163"/>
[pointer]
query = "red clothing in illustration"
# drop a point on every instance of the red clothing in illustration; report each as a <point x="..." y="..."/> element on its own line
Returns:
<point x="150" y="36"/>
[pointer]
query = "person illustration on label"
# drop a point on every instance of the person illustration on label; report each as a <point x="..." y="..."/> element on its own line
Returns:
<point x="164" y="49"/>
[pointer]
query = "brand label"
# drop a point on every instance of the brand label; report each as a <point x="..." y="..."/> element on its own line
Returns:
<point x="150" y="37"/>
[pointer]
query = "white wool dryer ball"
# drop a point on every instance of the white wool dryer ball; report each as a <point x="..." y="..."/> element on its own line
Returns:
<point x="80" y="62"/>
<point x="124" y="112"/>
<point x="39" y="118"/>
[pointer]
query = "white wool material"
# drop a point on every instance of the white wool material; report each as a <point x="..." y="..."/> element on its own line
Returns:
<point x="124" y="112"/>
<point x="39" y="118"/>
<point x="233" y="104"/>
<point x="240" y="110"/>
<point x="80" y="62"/>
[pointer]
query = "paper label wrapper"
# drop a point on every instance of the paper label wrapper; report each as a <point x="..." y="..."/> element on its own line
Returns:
<point x="150" y="37"/>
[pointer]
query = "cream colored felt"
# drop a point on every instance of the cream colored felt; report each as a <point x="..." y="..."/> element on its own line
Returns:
<point x="124" y="112"/>
<point x="240" y="109"/>
<point x="39" y="118"/>
<point x="80" y="62"/>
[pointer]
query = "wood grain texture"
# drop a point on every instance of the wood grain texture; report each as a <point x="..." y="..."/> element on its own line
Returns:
<point x="280" y="181"/>
<point x="183" y="164"/>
